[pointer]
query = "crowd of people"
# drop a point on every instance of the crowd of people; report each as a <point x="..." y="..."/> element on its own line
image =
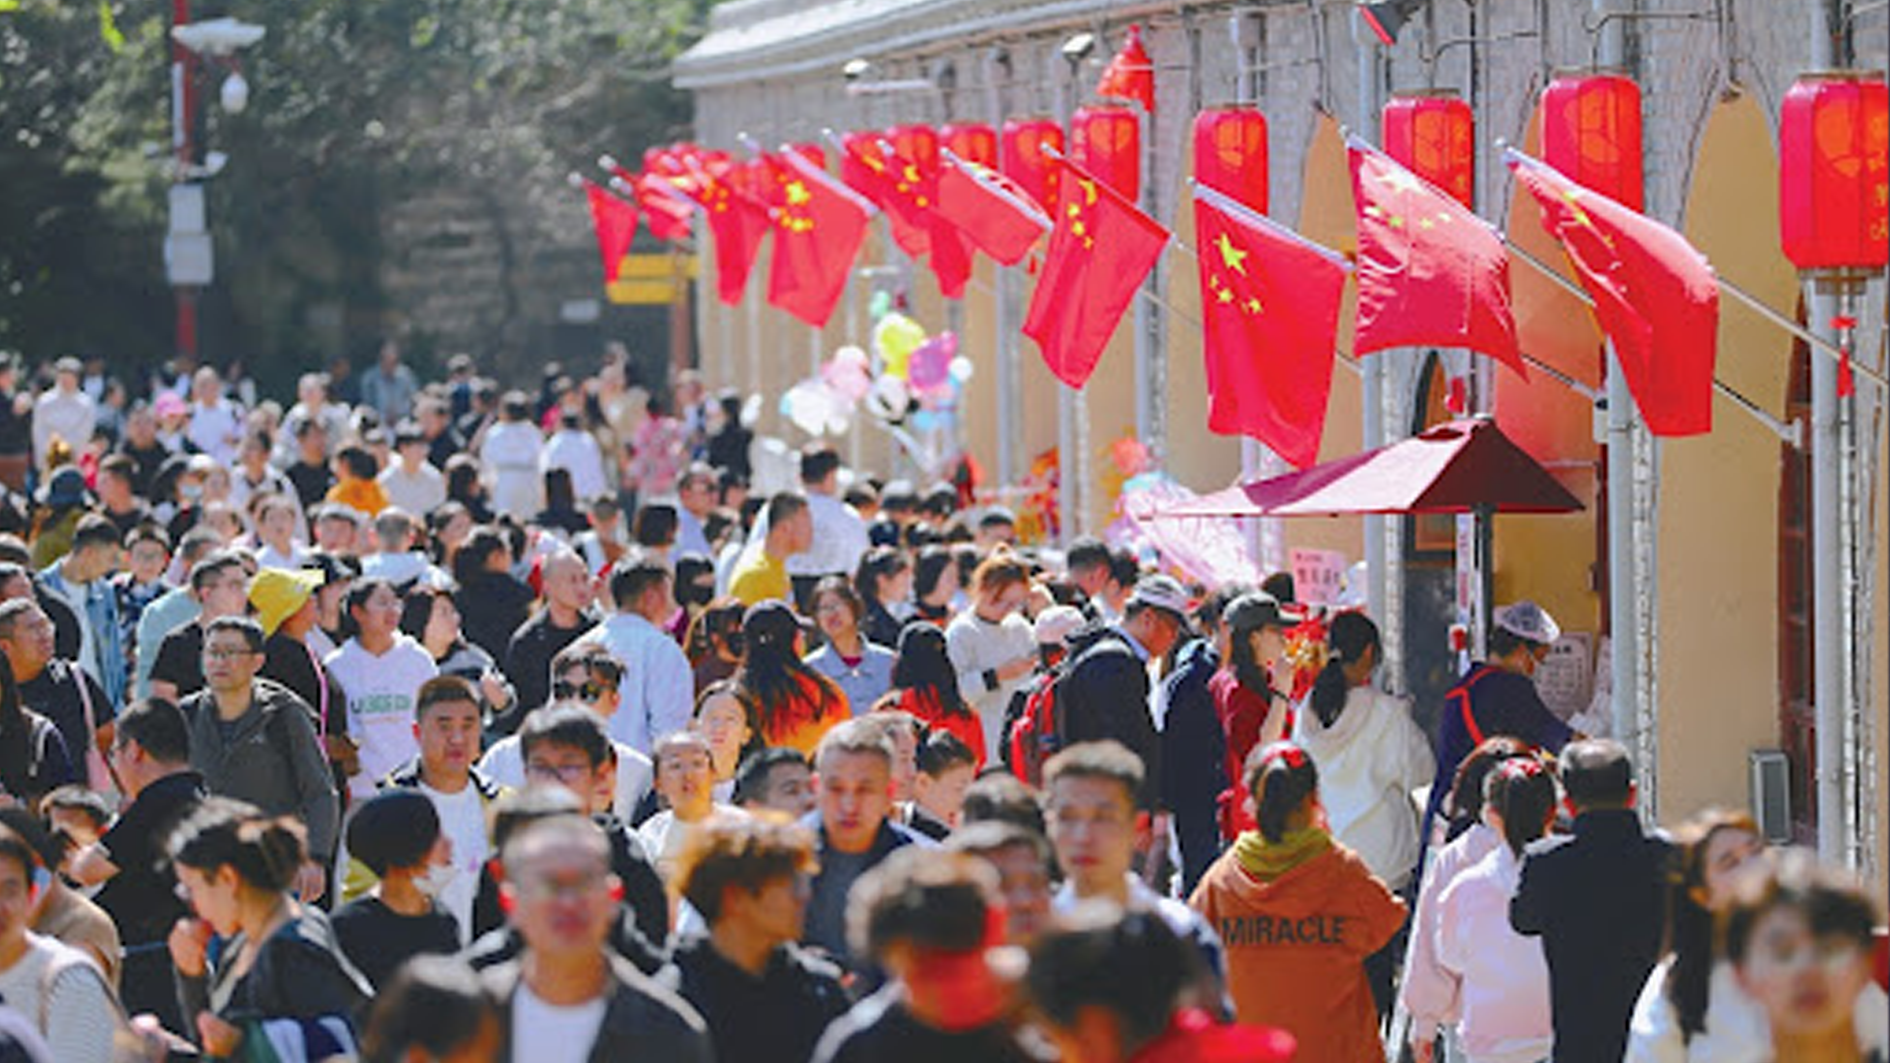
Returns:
<point x="431" y="721"/>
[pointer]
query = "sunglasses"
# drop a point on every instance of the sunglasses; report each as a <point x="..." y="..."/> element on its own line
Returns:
<point x="590" y="692"/>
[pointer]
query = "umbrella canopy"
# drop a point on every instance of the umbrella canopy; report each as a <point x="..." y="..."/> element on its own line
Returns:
<point x="1456" y="467"/>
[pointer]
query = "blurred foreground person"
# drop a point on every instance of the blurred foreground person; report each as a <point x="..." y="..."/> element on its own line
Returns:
<point x="934" y="922"/>
<point x="1097" y="1015"/>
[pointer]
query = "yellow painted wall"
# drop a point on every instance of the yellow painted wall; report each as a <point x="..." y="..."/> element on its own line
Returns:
<point x="1327" y="216"/>
<point x="1718" y="573"/>
<point x="1195" y="456"/>
<point x="1550" y="559"/>
<point x="977" y="340"/>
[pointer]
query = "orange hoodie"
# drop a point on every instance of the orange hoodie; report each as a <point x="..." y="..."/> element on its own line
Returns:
<point x="1296" y="948"/>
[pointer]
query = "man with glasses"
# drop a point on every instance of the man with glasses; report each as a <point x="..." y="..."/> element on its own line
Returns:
<point x="255" y="741"/>
<point x="220" y="583"/>
<point x="586" y="676"/>
<point x="567" y="752"/>
<point x="567" y="997"/>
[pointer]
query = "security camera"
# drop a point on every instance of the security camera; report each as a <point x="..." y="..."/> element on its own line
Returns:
<point x="855" y="69"/>
<point x="1078" y="47"/>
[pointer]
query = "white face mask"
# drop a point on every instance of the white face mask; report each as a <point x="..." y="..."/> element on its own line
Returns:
<point x="435" y="881"/>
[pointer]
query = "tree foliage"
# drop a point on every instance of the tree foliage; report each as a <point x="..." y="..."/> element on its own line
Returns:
<point x="360" y="109"/>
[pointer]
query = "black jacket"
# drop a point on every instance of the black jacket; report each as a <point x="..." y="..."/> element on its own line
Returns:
<point x="299" y="973"/>
<point x="642" y="1021"/>
<point x="528" y="661"/>
<point x="779" y="1016"/>
<point x="642" y="935"/>
<point x="1105" y="695"/>
<point x="1597" y="898"/>
<point x="492" y="605"/>
<point x="1192" y="736"/>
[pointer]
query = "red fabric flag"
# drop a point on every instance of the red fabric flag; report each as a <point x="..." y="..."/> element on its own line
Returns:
<point x="1430" y="273"/>
<point x="994" y="212"/>
<point x="666" y="206"/>
<point x="1130" y="74"/>
<point x="1655" y="296"/>
<point x="616" y="223"/>
<point x="818" y="228"/>
<point x="866" y="168"/>
<point x="1270" y="317"/>
<point x="1100" y="250"/>
<point x="911" y="190"/>
<point x="738" y="222"/>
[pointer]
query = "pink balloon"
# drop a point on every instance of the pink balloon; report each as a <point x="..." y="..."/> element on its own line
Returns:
<point x="931" y="363"/>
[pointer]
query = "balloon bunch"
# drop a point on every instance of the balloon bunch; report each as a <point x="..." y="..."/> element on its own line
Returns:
<point x="910" y="378"/>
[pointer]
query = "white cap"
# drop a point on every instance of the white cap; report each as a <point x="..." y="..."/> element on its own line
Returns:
<point x="1527" y="620"/>
<point x="1054" y="624"/>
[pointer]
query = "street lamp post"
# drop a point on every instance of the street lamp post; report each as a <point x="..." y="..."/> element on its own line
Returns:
<point x="189" y="262"/>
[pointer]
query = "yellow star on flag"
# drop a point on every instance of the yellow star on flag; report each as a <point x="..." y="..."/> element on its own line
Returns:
<point x="1400" y="180"/>
<point x="1232" y="257"/>
<point x="1252" y="305"/>
<point x="1225" y="295"/>
<point x="797" y="194"/>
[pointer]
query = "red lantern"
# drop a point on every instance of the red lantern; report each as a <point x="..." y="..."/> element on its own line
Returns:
<point x="916" y="144"/>
<point x="1591" y="131"/>
<point x="972" y="142"/>
<point x="1834" y="172"/>
<point x="1230" y="153"/>
<point x="1027" y="163"/>
<point x="1434" y="135"/>
<point x="1107" y="142"/>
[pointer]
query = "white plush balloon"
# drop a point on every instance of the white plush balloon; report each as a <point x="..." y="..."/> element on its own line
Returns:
<point x="962" y="369"/>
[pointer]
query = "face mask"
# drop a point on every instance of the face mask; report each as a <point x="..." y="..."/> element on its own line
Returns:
<point x="901" y="610"/>
<point x="192" y="492"/>
<point x="435" y="881"/>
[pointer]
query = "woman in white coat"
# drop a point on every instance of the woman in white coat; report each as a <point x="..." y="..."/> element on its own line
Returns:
<point x="510" y="453"/>
<point x="1693" y="1009"/>
<point x="1505" y="977"/>
<point x="1370" y="757"/>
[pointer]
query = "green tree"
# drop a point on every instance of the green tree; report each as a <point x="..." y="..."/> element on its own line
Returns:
<point x="368" y="119"/>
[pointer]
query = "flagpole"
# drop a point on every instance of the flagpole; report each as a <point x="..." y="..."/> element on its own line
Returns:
<point x="1377" y="529"/>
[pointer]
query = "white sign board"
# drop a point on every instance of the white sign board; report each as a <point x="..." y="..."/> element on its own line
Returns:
<point x="1318" y="575"/>
<point x="1565" y="677"/>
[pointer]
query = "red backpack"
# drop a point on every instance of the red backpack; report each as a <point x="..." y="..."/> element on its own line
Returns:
<point x="1033" y="728"/>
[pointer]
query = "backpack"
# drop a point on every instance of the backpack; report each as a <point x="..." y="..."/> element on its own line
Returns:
<point x="1033" y="721"/>
<point x="1033" y="728"/>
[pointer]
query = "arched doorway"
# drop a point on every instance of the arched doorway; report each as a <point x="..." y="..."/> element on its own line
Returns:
<point x="1797" y="714"/>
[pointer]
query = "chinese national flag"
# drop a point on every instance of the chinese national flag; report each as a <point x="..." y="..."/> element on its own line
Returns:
<point x="1270" y="315"/>
<point x="1130" y="75"/>
<point x="616" y="223"/>
<point x="1430" y="273"/>
<point x="666" y="206"/>
<point x="738" y="222"/>
<point x="950" y="258"/>
<point x="1100" y="250"/>
<point x="819" y="225"/>
<point x="995" y="213"/>
<point x="866" y="169"/>
<point x="1655" y="296"/>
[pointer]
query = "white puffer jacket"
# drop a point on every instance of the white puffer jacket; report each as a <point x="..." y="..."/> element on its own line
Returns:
<point x="1370" y="760"/>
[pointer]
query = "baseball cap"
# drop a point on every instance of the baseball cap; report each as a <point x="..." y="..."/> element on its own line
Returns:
<point x="1252" y="612"/>
<point x="1054" y="624"/>
<point x="69" y="364"/>
<point x="1527" y="620"/>
<point x="278" y="592"/>
<point x="1161" y="592"/>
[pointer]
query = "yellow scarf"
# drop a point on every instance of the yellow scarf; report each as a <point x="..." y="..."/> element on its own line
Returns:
<point x="1267" y="861"/>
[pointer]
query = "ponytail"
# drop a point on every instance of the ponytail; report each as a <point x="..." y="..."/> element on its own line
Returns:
<point x="1347" y="640"/>
<point x="1281" y="778"/>
<point x="1523" y="795"/>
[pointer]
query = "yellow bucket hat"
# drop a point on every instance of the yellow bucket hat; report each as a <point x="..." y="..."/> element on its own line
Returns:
<point x="278" y="592"/>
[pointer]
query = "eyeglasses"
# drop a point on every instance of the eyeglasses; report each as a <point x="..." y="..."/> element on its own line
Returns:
<point x="226" y="654"/>
<point x="564" y="773"/>
<point x="574" y="888"/>
<point x="589" y="692"/>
